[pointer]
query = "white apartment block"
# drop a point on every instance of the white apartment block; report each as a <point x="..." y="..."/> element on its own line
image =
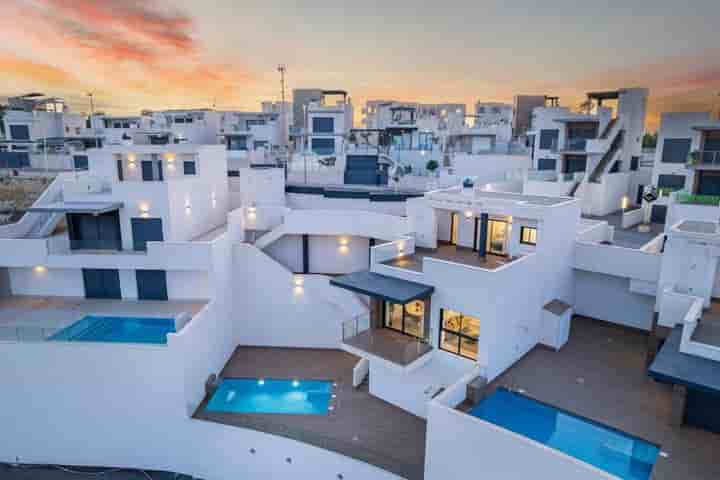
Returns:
<point x="593" y="155"/>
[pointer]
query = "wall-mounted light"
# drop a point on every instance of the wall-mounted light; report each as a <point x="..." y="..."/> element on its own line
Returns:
<point x="144" y="209"/>
<point x="401" y="247"/>
<point x="468" y="214"/>
<point x="213" y="199"/>
<point x="298" y="280"/>
<point x="343" y="241"/>
<point x="170" y="157"/>
<point x="625" y="203"/>
<point x="187" y="205"/>
<point x="131" y="158"/>
<point x="40" y="269"/>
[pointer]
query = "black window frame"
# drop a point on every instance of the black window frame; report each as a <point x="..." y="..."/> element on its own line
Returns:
<point x="233" y="173"/>
<point x="669" y="154"/>
<point x="525" y="228"/>
<point x="323" y="123"/>
<point x="189" y="167"/>
<point x="458" y="334"/>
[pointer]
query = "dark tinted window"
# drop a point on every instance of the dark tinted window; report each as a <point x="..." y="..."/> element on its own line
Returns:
<point x="189" y="168"/>
<point x="323" y="125"/>
<point x="548" y="139"/>
<point x="19" y="132"/>
<point x="675" y="150"/>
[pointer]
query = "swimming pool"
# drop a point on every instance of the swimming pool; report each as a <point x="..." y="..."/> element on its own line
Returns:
<point x="95" y="328"/>
<point x="618" y="453"/>
<point x="258" y="395"/>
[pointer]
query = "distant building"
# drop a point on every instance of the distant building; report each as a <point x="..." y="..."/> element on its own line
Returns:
<point x="524" y="106"/>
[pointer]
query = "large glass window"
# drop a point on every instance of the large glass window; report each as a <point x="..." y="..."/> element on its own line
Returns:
<point x="459" y="334"/>
<point x="237" y="143"/>
<point x="676" y="150"/>
<point x="528" y="235"/>
<point x="549" y="139"/>
<point x="323" y="125"/>
<point x="323" y="146"/>
<point x="408" y="319"/>
<point x="19" y="132"/>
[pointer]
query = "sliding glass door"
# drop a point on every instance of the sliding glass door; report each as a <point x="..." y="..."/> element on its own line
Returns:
<point x="497" y="237"/>
<point x="408" y="319"/>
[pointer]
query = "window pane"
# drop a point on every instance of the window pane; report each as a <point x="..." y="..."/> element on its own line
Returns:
<point x="452" y="321"/>
<point x="470" y="327"/>
<point x="414" y="318"/>
<point x="469" y="347"/>
<point x="393" y="316"/>
<point x="528" y="235"/>
<point x="449" y="341"/>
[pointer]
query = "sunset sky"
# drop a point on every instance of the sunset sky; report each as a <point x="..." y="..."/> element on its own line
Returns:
<point x="156" y="54"/>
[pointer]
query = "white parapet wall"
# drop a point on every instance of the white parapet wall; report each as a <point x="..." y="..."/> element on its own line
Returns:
<point x="130" y="406"/>
<point x="498" y="453"/>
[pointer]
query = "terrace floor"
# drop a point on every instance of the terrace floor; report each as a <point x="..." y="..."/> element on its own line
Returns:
<point x="361" y="426"/>
<point x="708" y="328"/>
<point x="450" y="253"/>
<point x="600" y="374"/>
<point x="28" y="318"/>
<point x="629" y="237"/>
<point x="392" y="346"/>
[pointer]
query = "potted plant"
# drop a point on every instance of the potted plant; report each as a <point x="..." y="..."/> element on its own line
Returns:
<point x="693" y="157"/>
<point x="432" y="165"/>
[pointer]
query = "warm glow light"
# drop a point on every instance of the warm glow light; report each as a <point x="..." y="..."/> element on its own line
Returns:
<point x="170" y="157"/>
<point x="40" y="269"/>
<point x="343" y="240"/>
<point x="344" y="249"/>
<point x="625" y="203"/>
<point x="468" y="214"/>
<point x="131" y="158"/>
<point x="401" y="246"/>
<point x="298" y="280"/>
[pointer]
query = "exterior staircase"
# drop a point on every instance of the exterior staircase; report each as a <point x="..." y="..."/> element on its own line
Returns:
<point x="608" y="158"/>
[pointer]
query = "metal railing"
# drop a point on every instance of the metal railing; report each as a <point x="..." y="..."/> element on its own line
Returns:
<point x="705" y="157"/>
<point x="576" y="144"/>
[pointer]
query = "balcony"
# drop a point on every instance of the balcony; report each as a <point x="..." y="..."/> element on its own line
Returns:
<point x="704" y="158"/>
<point x="575" y="145"/>
<point x="397" y="348"/>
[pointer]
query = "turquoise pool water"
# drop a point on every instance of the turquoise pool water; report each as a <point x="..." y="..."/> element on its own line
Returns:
<point x="257" y="395"/>
<point x="618" y="453"/>
<point x="93" y="328"/>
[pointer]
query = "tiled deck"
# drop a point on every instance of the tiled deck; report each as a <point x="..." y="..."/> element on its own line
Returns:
<point x="392" y="346"/>
<point x="600" y="374"/>
<point x="708" y="329"/>
<point x="629" y="237"/>
<point x="450" y="253"/>
<point x="361" y="426"/>
<point x="31" y="318"/>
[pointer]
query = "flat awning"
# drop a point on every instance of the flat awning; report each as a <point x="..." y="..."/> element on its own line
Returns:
<point x="95" y="208"/>
<point x="381" y="286"/>
<point x="673" y="366"/>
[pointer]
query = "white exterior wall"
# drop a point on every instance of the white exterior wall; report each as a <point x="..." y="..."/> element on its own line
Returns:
<point x="609" y="298"/>
<point x="677" y="125"/>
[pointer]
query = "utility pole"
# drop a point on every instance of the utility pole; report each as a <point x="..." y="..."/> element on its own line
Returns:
<point x="282" y="69"/>
<point x="92" y="114"/>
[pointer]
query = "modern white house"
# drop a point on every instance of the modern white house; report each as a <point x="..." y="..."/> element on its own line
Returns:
<point x="594" y="154"/>
<point x="686" y="160"/>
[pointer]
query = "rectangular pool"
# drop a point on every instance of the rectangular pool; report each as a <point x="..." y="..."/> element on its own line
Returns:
<point x="615" y="452"/>
<point x="94" y="328"/>
<point x="258" y="395"/>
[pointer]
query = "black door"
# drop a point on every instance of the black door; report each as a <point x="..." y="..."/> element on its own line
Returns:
<point x="80" y="162"/>
<point x="146" y="230"/>
<point x="147" y="171"/>
<point x="701" y="410"/>
<point x="151" y="284"/>
<point x="658" y="214"/>
<point x="638" y="197"/>
<point x="575" y="163"/>
<point x="101" y="283"/>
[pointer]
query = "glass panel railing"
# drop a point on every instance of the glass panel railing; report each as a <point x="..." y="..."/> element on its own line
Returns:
<point x="26" y="334"/>
<point x="576" y="144"/>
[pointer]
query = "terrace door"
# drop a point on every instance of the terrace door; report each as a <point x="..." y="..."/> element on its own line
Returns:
<point x="454" y="223"/>
<point x="101" y="283"/>
<point x="497" y="237"/>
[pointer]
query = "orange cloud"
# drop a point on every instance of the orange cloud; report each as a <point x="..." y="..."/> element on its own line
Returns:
<point x="139" y="52"/>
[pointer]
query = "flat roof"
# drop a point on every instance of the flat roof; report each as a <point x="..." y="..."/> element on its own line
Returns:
<point x="388" y="288"/>
<point x="673" y="366"/>
<point x="95" y="208"/>
<point x="707" y="127"/>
